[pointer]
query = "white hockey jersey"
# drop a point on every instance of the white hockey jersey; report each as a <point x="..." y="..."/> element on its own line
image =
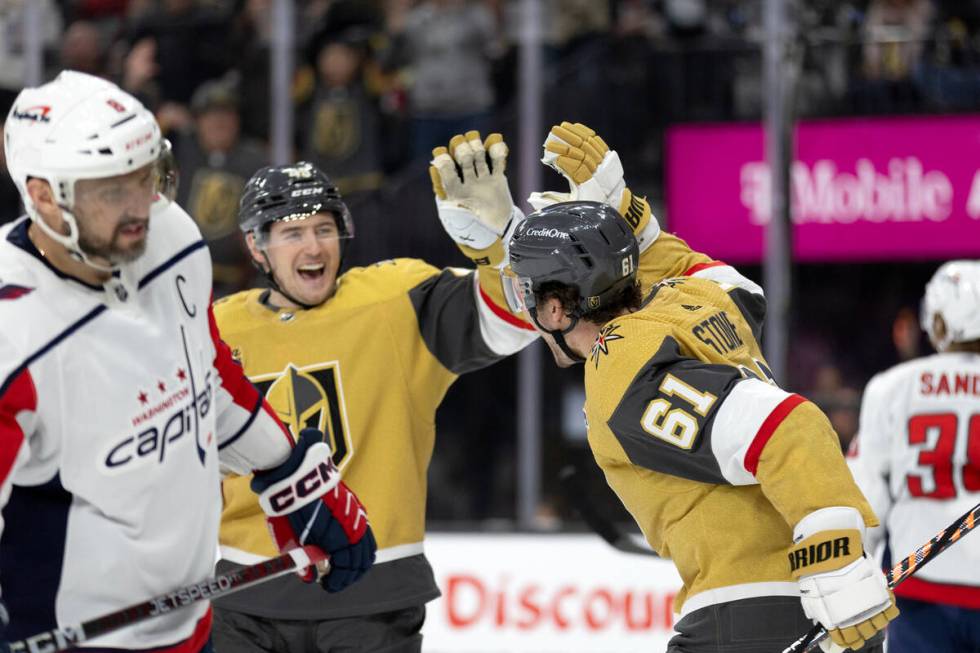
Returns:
<point x="117" y="406"/>
<point x="917" y="459"/>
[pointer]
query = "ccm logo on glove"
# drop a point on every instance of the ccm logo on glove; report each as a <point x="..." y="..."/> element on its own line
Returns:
<point x="314" y="477"/>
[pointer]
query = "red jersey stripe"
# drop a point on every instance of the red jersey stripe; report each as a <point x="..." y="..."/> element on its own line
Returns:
<point x="964" y="596"/>
<point x="504" y="314"/>
<point x="233" y="378"/>
<point x="704" y="266"/>
<point x="20" y="395"/>
<point x="768" y="427"/>
<point x="197" y="640"/>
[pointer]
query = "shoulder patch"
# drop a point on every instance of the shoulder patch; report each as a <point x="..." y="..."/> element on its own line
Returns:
<point x="601" y="346"/>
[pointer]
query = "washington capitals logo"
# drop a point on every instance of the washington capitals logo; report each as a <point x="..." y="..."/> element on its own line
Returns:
<point x="13" y="291"/>
<point x="601" y="346"/>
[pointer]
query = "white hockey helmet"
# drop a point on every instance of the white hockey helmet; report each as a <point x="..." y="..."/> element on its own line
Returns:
<point x="80" y="127"/>
<point x="954" y="293"/>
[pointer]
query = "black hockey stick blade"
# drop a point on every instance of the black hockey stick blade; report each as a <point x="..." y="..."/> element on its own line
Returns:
<point x="64" y="639"/>
<point x="900" y="572"/>
<point x="574" y="488"/>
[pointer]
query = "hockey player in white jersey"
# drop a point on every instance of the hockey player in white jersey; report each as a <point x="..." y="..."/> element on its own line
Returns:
<point x="917" y="458"/>
<point x="119" y="404"/>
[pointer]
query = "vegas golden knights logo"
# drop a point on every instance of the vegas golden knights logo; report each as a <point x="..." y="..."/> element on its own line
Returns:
<point x="311" y="397"/>
<point x="337" y="129"/>
<point x="213" y="202"/>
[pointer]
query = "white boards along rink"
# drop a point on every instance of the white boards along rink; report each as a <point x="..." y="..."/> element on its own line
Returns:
<point x="546" y="593"/>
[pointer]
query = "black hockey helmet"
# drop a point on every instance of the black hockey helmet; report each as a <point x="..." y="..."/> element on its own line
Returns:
<point x="586" y="245"/>
<point x="290" y="192"/>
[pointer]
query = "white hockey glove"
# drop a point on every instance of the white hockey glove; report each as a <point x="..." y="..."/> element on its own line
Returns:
<point x="472" y="196"/>
<point x="594" y="173"/>
<point x="840" y="587"/>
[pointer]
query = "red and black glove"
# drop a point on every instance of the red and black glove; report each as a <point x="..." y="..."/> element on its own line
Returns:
<point x="306" y="503"/>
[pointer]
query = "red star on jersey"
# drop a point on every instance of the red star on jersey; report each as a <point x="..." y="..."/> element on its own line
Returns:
<point x="181" y="374"/>
<point x="161" y="386"/>
<point x="601" y="346"/>
<point x="143" y="398"/>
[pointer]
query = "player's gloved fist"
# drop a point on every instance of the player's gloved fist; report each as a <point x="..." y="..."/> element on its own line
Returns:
<point x="594" y="173"/>
<point x="306" y="503"/>
<point x="840" y="587"/>
<point x="472" y="197"/>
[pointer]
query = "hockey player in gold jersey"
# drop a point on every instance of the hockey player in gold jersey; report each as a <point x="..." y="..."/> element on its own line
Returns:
<point x="368" y="356"/>
<point x="741" y="484"/>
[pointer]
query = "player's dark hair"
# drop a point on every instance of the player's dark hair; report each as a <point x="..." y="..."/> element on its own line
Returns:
<point x="627" y="300"/>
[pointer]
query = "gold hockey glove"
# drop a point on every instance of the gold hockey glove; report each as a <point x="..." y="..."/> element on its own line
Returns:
<point x="840" y="587"/>
<point x="594" y="173"/>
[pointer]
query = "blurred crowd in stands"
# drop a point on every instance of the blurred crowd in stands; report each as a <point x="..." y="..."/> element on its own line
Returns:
<point x="378" y="83"/>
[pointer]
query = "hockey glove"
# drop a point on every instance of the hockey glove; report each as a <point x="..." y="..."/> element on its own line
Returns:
<point x="306" y="503"/>
<point x="840" y="587"/>
<point x="472" y="196"/>
<point x="594" y="173"/>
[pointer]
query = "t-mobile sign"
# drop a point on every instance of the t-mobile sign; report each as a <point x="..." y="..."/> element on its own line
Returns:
<point x="861" y="190"/>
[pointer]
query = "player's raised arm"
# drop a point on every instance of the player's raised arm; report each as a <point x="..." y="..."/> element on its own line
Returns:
<point x="474" y="204"/>
<point x="595" y="173"/>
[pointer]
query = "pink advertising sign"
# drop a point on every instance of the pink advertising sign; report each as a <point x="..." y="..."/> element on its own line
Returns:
<point x="862" y="190"/>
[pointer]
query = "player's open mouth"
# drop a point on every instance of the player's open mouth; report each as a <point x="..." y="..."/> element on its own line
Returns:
<point x="311" y="272"/>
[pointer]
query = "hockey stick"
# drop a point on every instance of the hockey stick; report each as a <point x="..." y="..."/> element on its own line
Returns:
<point x="63" y="639"/>
<point x="900" y="572"/>
<point x="572" y="485"/>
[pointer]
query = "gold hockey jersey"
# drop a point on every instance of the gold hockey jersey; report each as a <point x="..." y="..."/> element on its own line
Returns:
<point x="369" y="367"/>
<point x="714" y="461"/>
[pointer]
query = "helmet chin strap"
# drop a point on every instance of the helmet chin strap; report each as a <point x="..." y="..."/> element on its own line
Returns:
<point x="70" y="242"/>
<point x="559" y="335"/>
